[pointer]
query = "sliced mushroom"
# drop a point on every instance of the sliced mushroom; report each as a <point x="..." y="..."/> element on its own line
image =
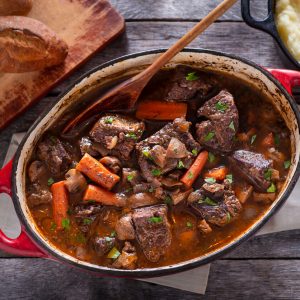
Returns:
<point x="176" y="149"/>
<point x="178" y="196"/>
<point x="141" y="199"/>
<point x="111" y="163"/>
<point x="169" y="182"/>
<point x="158" y="155"/>
<point x="111" y="142"/>
<point x="75" y="181"/>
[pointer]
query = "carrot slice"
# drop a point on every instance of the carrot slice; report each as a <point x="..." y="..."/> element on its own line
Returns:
<point x="217" y="173"/>
<point x="98" y="194"/>
<point x="193" y="172"/>
<point x="93" y="169"/>
<point x="59" y="203"/>
<point x="161" y="110"/>
<point x="268" y="141"/>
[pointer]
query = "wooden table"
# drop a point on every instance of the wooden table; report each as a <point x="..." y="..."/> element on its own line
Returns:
<point x="266" y="267"/>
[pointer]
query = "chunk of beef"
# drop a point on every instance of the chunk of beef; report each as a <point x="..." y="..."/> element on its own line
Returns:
<point x="152" y="230"/>
<point x="252" y="167"/>
<point x="37" y="195"/>
<point x="36" y="171"/>
<point x="182" y="86"/>
<point x="103" y="245"/>
<point x="142" y="199"/>
<point x="75" y="182"/>
<point x="215" y="204"/>
<point x="218" y="132"/>
<point x="118" y="134"/>
<point x="86" y="214"/>
<point x="178" y="133"/>
<point x="124" y="228"/>
<point x="127" y="259"/>
<point x="53" y="153"/>
<point x="87" y="146"/>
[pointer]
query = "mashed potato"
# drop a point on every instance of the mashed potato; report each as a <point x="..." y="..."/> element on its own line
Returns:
<point x="287" y="15"/>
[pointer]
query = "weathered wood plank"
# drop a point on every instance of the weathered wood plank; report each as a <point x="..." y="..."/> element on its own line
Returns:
<point x="182" y="10"/>
<point x="40" y="279"/>
<point x="228" y="37"/>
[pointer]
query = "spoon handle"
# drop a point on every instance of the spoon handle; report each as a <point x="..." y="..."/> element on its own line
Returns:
<point x="186" y="39"/>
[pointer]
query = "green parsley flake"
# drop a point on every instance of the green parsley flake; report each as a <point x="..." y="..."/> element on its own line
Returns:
<point x="156" y="172"/>
<point x="113" y="234"/>
<point x="211" y="157"/>
<point x="168" y="200"/>
<point x="50" y="181"/>
<point x="229" y="177"/>
<point x="130" y="177"/>
<point x="146" y="153"/>
<point x="65" y="223"/>
<point x="220" y="106"/>
<point x="272" y="188"/>
<point x="131" y="135"/>
<point x="87" y="221"/>
<point x="268" y="174"/>
<point x="253" y="138"/>
<point x="231" y="126"/>
<point x="209" y="136"/>
<point x="287" y="164"/>
<point x="210" y="180"/>
<point x="109" y="120"/>
<point x="180" y="165"/>
<point x="190" y="175"/>
<point x="113" y="253"/>
<point x="209" y="201"/>
<point x="228" y="217"/>
<point x="191" y="76"/>
<point x="189" y="224"/>
<point x="53" y="226"/>
<point x="195" y="152"/>
<point x="155" y="219"/>
<point x="277" y="139"/>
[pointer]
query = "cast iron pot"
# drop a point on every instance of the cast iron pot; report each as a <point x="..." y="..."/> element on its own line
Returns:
<point x="32" y="242"/>
<point x="267" y="25"/>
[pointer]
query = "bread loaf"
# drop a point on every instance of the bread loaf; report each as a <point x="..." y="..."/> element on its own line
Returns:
<point x="28" y="45"/>
<point x="15" y="7"/>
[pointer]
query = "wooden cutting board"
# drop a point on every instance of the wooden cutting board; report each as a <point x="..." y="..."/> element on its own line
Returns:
<point x="86" y="25"/>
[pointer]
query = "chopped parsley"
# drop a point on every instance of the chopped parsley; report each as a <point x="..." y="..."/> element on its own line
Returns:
<point x="50" y="181"/>
<point x="229" y="177"/>
<point x="287" y="164"/>
<point x="109" y="240"/>
<point x="190" y="175"/>
<point x="87" y="221"/>
<point x="156" y="172"/>
<point x="253" y="138"/>
<point x="272" y="188"/>
<point x="268" y="174"/>
<point x="109" y="120"/>
<point x="65" y="223"/>
<point x="168" y="200"/>
<point x="231" y="126"/>
<point x="146" y="153"/>
<point x="195" y="152"/>
<point x="131" y="135"/>
<point x="130" y="177"/>
<point x="113" y="253"/>
<point x="113" y="234"/>
<point x="53" y="226"/>
<point x="189" y="224"/>
<point x="191" y="76"/>
<point x="209" y="201"/>
<point x="276" y="139"/>
<point x="180" y="165"/>
<point x="210" y="180"/>
<point x="228" y="217"/>
<point x="211" y="157"/>
<point x="155" y="219"/>
<point x="209" y="136"/>
<point x="220" y="106"/>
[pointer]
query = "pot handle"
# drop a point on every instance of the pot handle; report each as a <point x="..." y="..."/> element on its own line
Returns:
<point x="266" y="25"/>
<point x="288" y="78"/>
<point x="22" y="245"/>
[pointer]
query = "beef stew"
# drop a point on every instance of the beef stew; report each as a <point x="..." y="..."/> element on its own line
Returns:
<point x="201" y="158"/>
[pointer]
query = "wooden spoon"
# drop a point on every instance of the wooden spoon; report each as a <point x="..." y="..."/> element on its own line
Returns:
<point x="131" y="89"/>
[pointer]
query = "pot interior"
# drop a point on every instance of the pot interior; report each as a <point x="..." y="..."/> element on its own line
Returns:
<point x="205" y="60"/>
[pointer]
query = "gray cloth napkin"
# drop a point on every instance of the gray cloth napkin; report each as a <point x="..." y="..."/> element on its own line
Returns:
<point x="193" y="281"/>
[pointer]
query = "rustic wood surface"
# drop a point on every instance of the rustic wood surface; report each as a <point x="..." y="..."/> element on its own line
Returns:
<point x="265" y="267"/>
<point x="77" y="23"/>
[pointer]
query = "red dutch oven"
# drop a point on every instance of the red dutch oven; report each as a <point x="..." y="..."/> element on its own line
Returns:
<point x="275" y="84"/>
